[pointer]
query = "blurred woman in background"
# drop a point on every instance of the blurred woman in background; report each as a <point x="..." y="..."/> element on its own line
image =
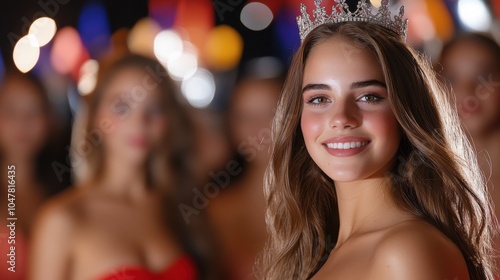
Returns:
<point x="131" y="157"/>
<point x="471" y="64"/>
<point x="28" y="146"/>
<point x="237" y="213"/>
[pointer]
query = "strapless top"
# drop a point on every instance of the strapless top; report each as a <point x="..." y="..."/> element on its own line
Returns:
<point x="181" y="269"/>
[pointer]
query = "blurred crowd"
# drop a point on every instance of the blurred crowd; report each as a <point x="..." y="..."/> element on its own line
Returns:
<point x="140" y="182"/>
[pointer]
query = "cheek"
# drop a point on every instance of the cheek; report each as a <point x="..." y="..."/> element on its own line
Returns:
<point x="385" y="128"/>
<point x="312" y="125"/>
<point x="157" y="129"/>
<point x="113" y="130"/>
<point x="39" y="128"/>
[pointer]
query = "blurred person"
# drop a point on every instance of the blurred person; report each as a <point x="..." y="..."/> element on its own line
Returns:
<point x="211" y="142"/>
<point x="471" y="65"/>
<point x="131" y="157"/>
<point x="28" y="145"/>
<point x="237" y="213"/>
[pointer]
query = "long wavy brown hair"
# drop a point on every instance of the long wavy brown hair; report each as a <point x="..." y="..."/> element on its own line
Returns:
<point x="435" y="175"/>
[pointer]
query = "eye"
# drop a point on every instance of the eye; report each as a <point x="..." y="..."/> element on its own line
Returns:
<point x="120" y="108"/>
<point x="317" y="100"/>
<point x="370" y="98"/>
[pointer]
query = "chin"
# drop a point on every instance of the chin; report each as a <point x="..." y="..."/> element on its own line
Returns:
<point x="136" y="157"/>
<point x="344" y="175"/>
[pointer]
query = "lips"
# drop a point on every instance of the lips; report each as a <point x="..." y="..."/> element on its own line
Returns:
<point x="346" y="146"/>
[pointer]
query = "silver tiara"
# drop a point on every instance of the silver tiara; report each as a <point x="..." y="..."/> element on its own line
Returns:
<point x="341" y="13"/>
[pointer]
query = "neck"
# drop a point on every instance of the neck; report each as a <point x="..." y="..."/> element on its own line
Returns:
<point x="364" y="206"/>
<point x="124" y="180"/>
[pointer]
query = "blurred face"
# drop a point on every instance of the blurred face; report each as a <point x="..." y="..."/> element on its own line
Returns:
<point x="212" y="145"/>
<point x="348" y="126"/>
<point x="133" y="112"/>
<point x="251" y="114"/>
<point x="468" y="66"/>
<point x="23" y="119"/>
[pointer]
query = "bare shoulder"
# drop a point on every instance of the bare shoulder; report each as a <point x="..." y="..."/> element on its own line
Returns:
<point x="417" y="250"/>
<point x="61" y="212"/>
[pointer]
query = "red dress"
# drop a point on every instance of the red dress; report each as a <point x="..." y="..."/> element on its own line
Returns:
<point x="182" y="269"/>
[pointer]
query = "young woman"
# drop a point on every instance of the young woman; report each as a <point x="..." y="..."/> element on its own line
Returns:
<point x="29" y="139"/>
<point x="471" y="64"/>
<point x="121" y="222"/>
<point x="371" y="176"/>
<point x="237" y="213"/>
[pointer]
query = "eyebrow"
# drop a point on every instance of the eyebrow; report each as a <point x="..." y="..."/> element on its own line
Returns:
<point x="368" y="83"/>
<point x="354" y="85"/>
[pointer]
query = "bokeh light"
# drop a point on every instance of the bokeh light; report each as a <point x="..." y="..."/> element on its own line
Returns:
<point x="67" y="51"/>
<point x="256" y="16"/>
<point x="286" y="32"/>
<point x="441" y="19"/>
<point x="474" y="15"/>
<point x="183" y="65"/>
<point x="163" y="12"/>
<point x="167" y="44"/>
<point x="94" y="28"/>
<point x="141" y="37"/>
<point x="223" y="48"/>
<point x="195" y="18"/>
<point x="199" y="89"/>
<point x="43" y="29"/>
<point x="88" y="77"/>
<point x="26" y="53"/>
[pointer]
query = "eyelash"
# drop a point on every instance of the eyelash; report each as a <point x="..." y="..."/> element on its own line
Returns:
<point x="312" y="99"/>
<point x="377" y="97"/>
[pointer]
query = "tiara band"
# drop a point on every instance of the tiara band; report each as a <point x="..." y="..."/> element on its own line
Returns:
<point x="341" y="13"/>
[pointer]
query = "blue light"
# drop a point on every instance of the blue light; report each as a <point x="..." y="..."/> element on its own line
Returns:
<point x="93" y="26"/>
<point x="287" y="32"/>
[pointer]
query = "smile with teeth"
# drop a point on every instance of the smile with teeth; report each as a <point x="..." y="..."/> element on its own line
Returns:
<point x="346" y="145"/>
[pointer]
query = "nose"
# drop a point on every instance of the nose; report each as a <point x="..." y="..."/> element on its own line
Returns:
<point x="344" y="115"/>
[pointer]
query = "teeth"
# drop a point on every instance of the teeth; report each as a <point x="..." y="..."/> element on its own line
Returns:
<point x="346" y="145"/>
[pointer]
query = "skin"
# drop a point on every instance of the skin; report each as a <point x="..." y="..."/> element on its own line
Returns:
<point x="237" y="214"/>
<point x="117" y="221"/>
<point x="462" y="64"/>
<point x="377" y="240"/>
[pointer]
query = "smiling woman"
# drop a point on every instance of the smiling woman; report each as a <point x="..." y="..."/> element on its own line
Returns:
<point x="371" y="176"/>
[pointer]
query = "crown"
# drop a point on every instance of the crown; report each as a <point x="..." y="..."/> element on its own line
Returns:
<point x="341" y="13"/>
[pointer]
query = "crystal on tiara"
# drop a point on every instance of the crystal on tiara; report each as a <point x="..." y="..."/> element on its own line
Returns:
<point x="341" y="13"/>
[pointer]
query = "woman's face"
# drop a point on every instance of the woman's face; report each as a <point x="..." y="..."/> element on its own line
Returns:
<point x="23" y="119"/>
<point x="251" y="113"/>
<point x="348" y="126"/>
<point x="474" y="73"/>
<point x="133" y="114"/>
